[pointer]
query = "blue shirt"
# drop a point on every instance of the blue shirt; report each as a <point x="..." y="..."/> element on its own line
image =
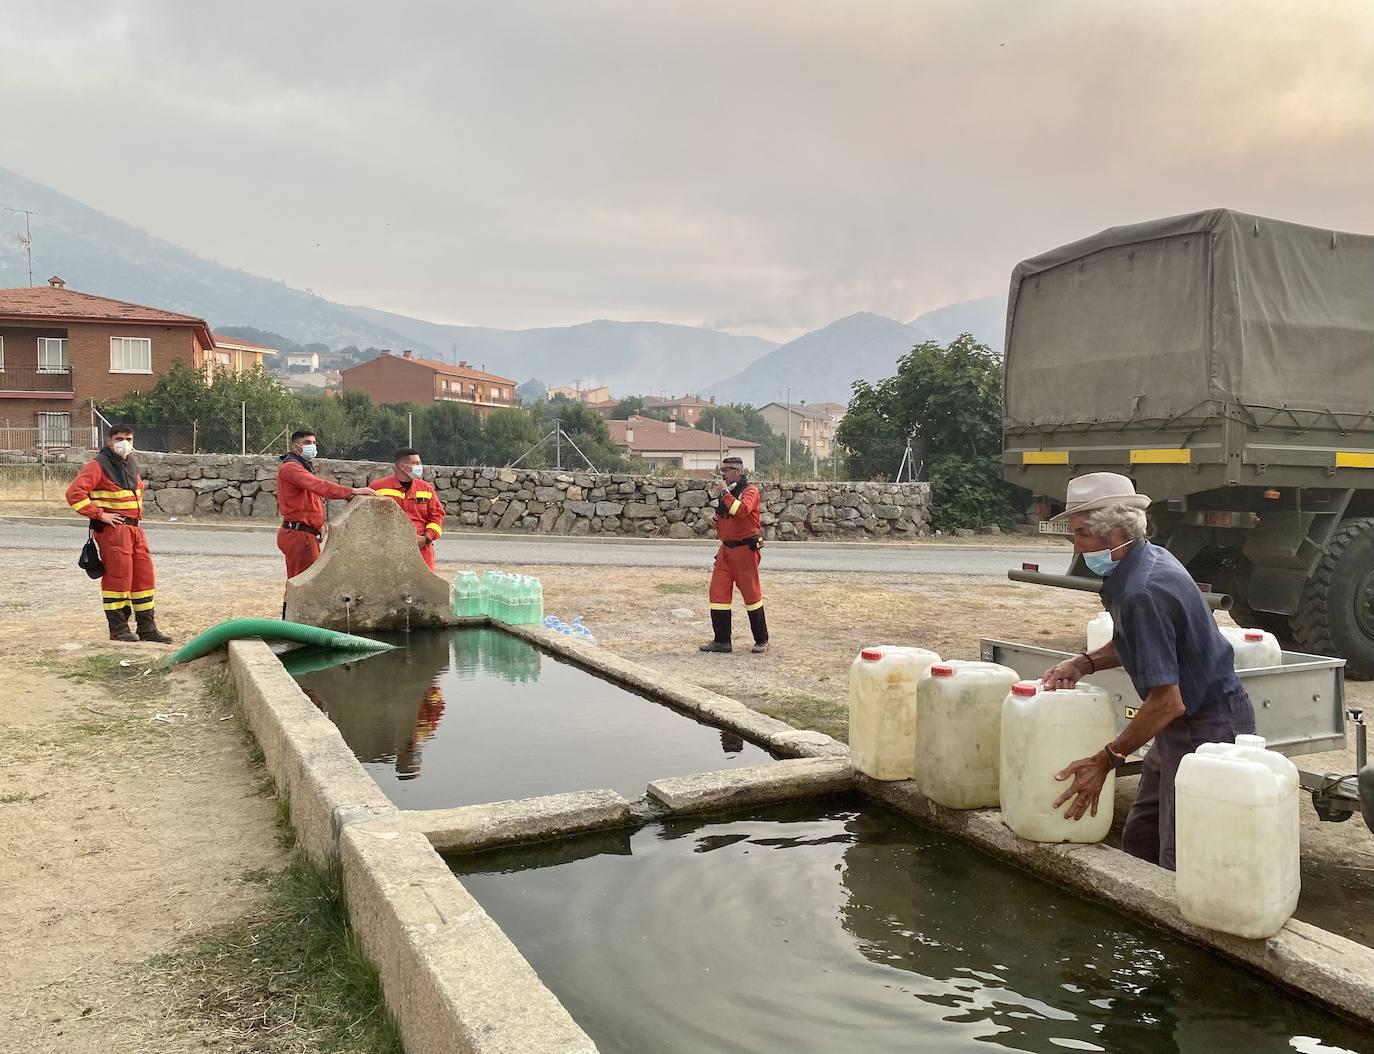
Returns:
<point x="1163" y="630"/>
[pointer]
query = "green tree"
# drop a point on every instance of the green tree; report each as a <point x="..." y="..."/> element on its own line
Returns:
<point x="950" y="398"/>
<point x="628" y="407"/>
<point x="508" y="433"/>
<point x="587" y="430"/>
<point x="449" y="434"/>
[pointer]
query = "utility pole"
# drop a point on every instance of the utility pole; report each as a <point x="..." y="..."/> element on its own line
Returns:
<point x="26" y="239"/>
<point x="789" y="427"/>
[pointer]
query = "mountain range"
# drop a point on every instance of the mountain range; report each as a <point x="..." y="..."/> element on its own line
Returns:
<point x="97" y="253"/>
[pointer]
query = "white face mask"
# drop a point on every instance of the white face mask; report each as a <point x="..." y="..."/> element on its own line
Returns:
<point x="123" y="447"/>
<point x="308" y="451"/>
<point x="416" y="471"/>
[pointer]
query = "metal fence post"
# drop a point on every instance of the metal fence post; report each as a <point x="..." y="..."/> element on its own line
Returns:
<point x="243" y="427"/>
<point x="410" y="429"/>
<point x="42" y="472"/>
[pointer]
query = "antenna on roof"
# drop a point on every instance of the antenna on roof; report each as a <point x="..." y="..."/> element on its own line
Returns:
<point x="26" y="239"/>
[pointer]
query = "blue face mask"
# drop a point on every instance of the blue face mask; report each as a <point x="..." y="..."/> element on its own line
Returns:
<point x="308" y="451"/>
<point x="1101" y="563"/>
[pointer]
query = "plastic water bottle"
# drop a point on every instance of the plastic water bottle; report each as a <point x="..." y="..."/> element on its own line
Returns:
<point x="520" y="601"/>
<point x="536" y="601"/>
<point x="466" y="594"/>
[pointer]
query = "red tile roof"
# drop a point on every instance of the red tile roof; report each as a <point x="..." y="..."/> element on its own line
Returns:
<point x="67" y="305"/>
<point x="221" y="341"/>
<point x="447" y="369"/>
<point x="657" y="402"/>
<point x="655" y="435"/>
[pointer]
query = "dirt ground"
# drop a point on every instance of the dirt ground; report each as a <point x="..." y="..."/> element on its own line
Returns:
<point x="107" y="803"/>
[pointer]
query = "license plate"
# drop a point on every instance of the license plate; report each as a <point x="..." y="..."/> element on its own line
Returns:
<point x="1045" y="527"/>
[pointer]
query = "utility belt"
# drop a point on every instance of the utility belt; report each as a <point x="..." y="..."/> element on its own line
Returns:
<point x="754" y="542"/>
<point x="296" y="525"/>
<point x="97" y="526"/>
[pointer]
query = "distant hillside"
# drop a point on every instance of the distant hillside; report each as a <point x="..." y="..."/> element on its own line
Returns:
<point x="633" y="358"/>
<point x="985" y="318"/>
<point x="96" y="253"/>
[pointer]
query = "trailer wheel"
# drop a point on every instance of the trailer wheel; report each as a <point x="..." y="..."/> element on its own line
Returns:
<point x="1336" y="613"/>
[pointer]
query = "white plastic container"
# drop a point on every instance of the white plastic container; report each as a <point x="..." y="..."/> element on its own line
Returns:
<point x="1042" y="732"/>
<point x="959" y="740"/>
<point x="1254" y="648"/>
<point x="1236" y="837"/>
<point x="1100" y="631"/>
<point x="882" y="709"/>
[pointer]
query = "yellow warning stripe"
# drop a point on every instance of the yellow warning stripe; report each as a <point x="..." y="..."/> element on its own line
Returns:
<point x="140" y="594"/>
<point x="720" y="607"/>
<point x="1044" y="457"/>
<point x="754" y="607"/>
<point x="1354" y="459"/>
<point x="79" y="505"/>
<point x="113" y="493"/>
<point x="143" y="605"/>
<point x="734" y="508"/>
<point x="387" y="492"/>
<point x="1165" y="456"/>
<point x="423" y="495"/>
<point x="435" y="528"/>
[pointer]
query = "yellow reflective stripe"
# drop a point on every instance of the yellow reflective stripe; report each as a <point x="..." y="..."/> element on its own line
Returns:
<point x="720" y="607"/>
<point x="117" y="505"/>
<point x="735" y="507"/>
<point x="113" y="493"/>
<point x="140" y="594"/>
<point x="434" y="527"/>
<point x="1354" y="459"/>
<point x="387" y="492"/>
<point x="79" y="505"/>
<point x="423" y="495"/>
<point x="754" y="607"/>
<point x="115" y="605"/>
<point x="1045" y="457"/>
<point x="114" y="594"/>
<point x="1165" y="456"/>
<point x="143" y="605"/>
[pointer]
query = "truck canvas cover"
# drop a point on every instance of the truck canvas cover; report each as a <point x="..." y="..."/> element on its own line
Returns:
<point x="1192" y="317"/>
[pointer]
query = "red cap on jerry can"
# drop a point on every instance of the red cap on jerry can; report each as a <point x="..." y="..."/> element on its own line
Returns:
<point x="1024" y="688"/>
<point x="871" y="654"/>
<point x="942" y="669"/>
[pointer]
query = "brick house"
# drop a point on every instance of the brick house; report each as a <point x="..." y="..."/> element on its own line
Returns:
<point x="403" y="378"/>
<point x="686" y="409"/>
<point x="237" y="355"/>
<point x="667" y="444"/>
<point x="61" y="351"/>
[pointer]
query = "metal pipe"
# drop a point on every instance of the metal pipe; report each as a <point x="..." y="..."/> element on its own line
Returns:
<point x="1215" y="601"/>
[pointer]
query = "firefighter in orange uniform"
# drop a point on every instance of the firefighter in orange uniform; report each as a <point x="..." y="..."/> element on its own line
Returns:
<point x="300" y="500"/>
<point x="736" y="520"/>
<point x="407" y="487"/>
<point x="109" y="492"/>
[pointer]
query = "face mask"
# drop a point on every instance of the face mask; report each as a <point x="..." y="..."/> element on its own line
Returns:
<point x="1101" y="563"/>
<point x="123" y="447"/>
<point x="308" y="451"/>
<point x="416" y="471"/>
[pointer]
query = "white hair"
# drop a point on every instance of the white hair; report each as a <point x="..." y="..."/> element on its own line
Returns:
<point x="1125" y="518"/>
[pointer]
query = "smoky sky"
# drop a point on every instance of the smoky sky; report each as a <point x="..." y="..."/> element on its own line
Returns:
<point x="759" y="167"/>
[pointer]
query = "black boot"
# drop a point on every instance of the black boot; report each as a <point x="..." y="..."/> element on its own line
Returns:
<point x="119" y="624"/>
<point x="759" y="625"/>
<point x="720" y="622"/>
<point x="147" y="628"/>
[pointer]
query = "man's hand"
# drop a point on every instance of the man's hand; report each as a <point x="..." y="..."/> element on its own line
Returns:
<point x="114" y="519"/>
<point x="1089" y="774"/>
<point x="425" y="541"/>
<point x="1065" y="675"/>
<point x="364" y="492"/>
<point x="711" y="519"/>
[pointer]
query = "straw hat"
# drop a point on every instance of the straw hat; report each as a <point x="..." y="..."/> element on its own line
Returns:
<point x="1097" y="490"/>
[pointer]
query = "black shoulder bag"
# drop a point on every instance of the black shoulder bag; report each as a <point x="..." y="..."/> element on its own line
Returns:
<point x="89" y="560"/>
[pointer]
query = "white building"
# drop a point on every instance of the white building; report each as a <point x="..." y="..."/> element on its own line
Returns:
<point x="667" y="444"/>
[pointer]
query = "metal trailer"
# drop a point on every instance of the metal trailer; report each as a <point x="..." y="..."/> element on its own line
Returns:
<point x="1299" y="709"/>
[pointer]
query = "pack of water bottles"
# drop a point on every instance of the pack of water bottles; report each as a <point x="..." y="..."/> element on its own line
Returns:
<point x="573" y="629"/>
<point x="516" y="600"/>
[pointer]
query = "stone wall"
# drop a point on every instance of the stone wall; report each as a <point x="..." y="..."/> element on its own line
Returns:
<point x="549" y="501"/>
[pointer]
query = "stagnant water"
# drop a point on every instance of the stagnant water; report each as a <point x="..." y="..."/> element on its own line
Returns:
<point x="841" y="927"/>
<point x="475" y="715"/>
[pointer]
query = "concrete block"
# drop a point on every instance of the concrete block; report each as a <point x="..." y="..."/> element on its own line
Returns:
<point x="476" y="827"/>
<point x="453" y="980"/>
<point x="760" y="785"/>
<point x="370" y="575"/>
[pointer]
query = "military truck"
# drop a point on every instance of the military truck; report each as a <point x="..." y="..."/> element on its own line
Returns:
<point x="1225" y="362"/>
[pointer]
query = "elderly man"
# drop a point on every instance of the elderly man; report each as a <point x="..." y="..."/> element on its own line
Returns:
<point x="1168" y="642"/>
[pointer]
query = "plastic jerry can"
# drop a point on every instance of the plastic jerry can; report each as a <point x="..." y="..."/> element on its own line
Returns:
<point x="882" y="709"/>
<point x="1254" y="648"/>
<point x="1043" y="731"/>
<point x="1100" y="631"/>
<point x="1236" y="837"/>
<point x="958" y="745"/>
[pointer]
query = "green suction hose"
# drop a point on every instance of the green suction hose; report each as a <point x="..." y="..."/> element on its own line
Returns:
<point x="272" y="629"/>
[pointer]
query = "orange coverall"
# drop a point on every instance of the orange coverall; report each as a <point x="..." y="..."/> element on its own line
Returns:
<point x="300" y="500"/>
<point x="419" y="502"/>
<point x="128" y="581"/>
<point x="737" y="518"/>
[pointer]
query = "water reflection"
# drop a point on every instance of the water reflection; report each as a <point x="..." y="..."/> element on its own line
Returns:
<point x="477" y="715"/>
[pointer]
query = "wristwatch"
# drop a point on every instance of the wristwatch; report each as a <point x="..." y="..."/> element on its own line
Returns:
<point x="1116" y="759"/>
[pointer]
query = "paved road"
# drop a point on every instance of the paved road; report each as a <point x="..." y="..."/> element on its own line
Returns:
<point x="523" y="551"/>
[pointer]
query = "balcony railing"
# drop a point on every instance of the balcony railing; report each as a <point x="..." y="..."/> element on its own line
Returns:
<point x="37" y="380"/>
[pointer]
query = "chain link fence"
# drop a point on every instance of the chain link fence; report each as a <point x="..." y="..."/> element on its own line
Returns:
<point x="37" y="464"/>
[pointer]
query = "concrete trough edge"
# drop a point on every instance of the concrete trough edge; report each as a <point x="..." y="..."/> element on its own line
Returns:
<point x="718" y="710"/>
<point x="732" y="789"/>
<point x="1318" y="965"/>
<point x="472" y="828"/>
<point x="451" y="977"/>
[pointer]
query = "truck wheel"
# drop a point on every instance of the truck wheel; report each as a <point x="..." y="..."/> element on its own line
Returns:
<point x="1336" y="613"/>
